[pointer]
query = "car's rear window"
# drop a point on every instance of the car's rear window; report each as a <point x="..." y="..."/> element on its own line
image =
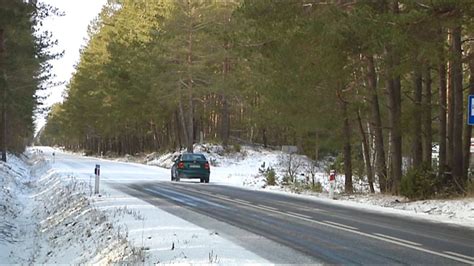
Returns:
<point x="193" y="157"/>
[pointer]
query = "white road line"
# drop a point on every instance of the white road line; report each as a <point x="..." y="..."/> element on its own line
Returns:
<point x="306" y="208"/>
<point x="238" y="200"/>
<point x="460" y="255"/>
<point x="299" y="214"/>
<point x="314" y="209"/>
<point x="343" y="225"/>
<point x="448" y="256"/>
<point x="399" y="239"/>
<point x="303" y="208"/>
<point x="267" y="207"/>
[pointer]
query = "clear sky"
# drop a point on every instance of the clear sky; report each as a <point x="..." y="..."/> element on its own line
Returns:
<point x="71" y="32"/>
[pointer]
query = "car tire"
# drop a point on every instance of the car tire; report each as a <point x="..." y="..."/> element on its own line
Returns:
<point x="176" y="177"/>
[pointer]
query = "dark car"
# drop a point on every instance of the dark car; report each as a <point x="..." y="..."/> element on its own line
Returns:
<point x="191" y="165"/>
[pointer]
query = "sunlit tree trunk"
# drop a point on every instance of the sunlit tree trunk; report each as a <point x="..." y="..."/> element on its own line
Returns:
<point x="380" y="163"/>
<point x="458" y="104"/>
<point x="442" y="119"/>
<point x="450" y="116"/>
<point x="468" y="128"/>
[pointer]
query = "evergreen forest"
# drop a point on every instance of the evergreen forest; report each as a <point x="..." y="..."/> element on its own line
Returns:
<point x="382" y="85"/>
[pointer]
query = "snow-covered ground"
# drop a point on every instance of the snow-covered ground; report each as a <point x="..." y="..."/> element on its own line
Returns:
<point x="50" y="216"/>
<point x="242" y="169"/>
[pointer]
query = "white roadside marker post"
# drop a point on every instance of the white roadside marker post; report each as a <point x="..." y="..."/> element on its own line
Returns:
<point x="332" y="183"/>
<point x="97" y="178"/>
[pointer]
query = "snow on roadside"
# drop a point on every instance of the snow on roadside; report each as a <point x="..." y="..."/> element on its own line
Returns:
<point x="168" y="239"/>
<point x="242" y="169"/>
<point x="51" y="220"/>
<point x="458" y="211"/>
<point x="12" y="233"/>
<point x="73" y="230"/>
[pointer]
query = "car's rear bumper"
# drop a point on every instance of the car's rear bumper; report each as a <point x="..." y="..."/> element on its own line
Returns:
<point x="192" y="174"/>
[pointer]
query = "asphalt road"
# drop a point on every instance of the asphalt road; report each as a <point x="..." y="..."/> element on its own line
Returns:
<point x="322" y="233"/>
<point x="284" y="228"/>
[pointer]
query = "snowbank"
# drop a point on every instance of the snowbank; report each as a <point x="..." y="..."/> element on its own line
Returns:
<point x="51" y="219"/>
<point x="12" y="184"/>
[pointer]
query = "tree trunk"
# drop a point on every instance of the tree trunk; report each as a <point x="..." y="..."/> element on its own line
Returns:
<point x="450" y="117"/>
<point x="468" y="128"/>
<point x="3" y="86"/>
<point x="155" y="141"/>
<point x="442" y="119"/>
<point x="179" y="123"/>
<point x="458" y="104"/>
<point x="225" y="129"/>
<point x="346" y="131"/>
<point x="190" y="140"/>
<point x="225" y="121"/>
<point x="316" y="147"/>
<point x="190" y="127"/>
<point x="394" y="100"/>
<point x="4" y="124"/>
<point x="365" y="145"/>
<point x="380" y="163"/>
<point x="264" y="137"/>
<point x="428" y="135"/>
<point x="183" y="122"/>
<point x="396" y="136"/>
<point x="395" y="103"/>
<point x="417" y="148"/>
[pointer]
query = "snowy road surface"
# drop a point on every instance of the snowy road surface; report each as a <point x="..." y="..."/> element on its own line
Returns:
<point x="281" y="228"/>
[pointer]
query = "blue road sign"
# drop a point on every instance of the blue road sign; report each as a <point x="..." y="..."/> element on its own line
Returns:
<point x="470" y="110"/>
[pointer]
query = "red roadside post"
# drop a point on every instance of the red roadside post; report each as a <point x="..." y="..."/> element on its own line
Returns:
<point x="332" y="183"/>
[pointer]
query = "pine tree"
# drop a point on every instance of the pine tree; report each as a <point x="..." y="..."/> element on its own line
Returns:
<point x="23" y="70"/>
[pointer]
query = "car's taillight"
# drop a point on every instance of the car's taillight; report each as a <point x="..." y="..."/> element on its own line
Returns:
<point x="180" y="165"/>
<point x="206" y="166"/>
